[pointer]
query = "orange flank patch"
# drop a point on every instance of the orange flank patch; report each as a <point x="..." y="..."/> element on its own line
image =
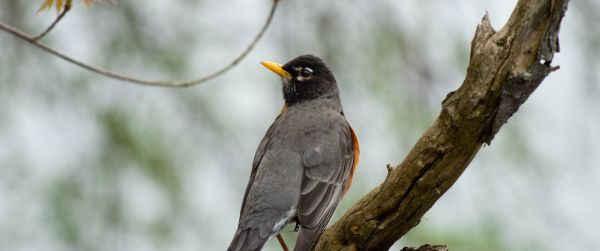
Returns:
<point x="356" y="149"/>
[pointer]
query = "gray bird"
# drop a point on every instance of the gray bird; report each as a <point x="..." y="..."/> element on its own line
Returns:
<point x="305" y="162"/>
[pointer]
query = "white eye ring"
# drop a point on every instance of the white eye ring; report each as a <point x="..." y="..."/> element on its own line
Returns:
<point x="304" y="73"/>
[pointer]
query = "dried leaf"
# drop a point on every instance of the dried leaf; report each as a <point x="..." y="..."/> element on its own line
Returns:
<point x="64" y="4"/>
<point x="59" y="5"/>
<point x="46" y="4"/>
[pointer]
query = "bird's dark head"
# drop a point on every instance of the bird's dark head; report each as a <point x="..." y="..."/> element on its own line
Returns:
<point x="304" y="78"/>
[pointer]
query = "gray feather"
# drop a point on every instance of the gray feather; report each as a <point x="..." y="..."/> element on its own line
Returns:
<point x="326" y="172"/>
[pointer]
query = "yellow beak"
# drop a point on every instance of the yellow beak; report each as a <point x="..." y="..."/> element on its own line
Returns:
<point x="275" y="67"/>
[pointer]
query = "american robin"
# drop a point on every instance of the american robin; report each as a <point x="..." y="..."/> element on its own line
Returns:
<point x="305" y="162"/>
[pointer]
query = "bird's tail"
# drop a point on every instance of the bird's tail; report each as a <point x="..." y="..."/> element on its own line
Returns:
<point x="247" y="240"/>
<point x="307" y="238"/>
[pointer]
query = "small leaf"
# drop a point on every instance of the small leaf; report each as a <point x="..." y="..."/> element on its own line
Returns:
<point x="46" y="4"/>
<point x="66" y="4"/>
<point x="59" y="5"/>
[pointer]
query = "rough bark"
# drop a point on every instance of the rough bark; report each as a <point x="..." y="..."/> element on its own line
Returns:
<point x="427" y="247"/>
<point x="505" y="68"/>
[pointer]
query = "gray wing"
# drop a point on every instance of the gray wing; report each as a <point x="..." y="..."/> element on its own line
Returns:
<point x="271" y="194"/>
<point x="327" y="166"/>
<point x="260" y="152"/>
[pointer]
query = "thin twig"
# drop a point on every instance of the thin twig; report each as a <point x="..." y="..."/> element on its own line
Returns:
<point x="66" y="8"/>
<point x="282" y="243"/>
<point x="108" y="73"/>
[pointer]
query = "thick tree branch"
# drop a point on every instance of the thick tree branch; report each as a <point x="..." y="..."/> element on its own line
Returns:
<point x="427" y="247"/>
<point x="504" y="69"/>
<point x="108" y="73"/>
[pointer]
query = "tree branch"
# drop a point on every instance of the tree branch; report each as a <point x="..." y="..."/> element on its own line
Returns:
<point x="504" y="69"/>
<point x="427" y="247"/>
<point x="173" y="83"/>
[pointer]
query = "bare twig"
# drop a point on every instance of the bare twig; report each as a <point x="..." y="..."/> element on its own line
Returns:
<point x="284" y="247"/>
<point x="66" y="8"/>
<point x="108" y="73"/>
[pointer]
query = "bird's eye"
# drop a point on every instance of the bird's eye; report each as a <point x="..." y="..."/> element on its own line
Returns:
<point x="306" y="72"/>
